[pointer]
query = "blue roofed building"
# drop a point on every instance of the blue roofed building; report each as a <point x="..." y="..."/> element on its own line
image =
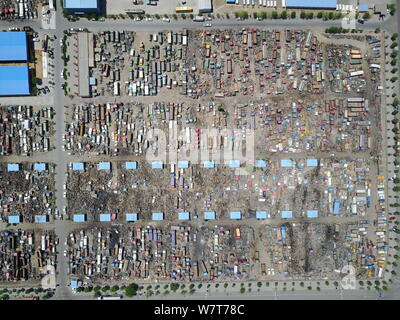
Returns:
<point x="209" y="164"/>
<point x="105" y="217"/>
<point x="209" y="215"/>
<point x="131" y="165"/>
<point x="14" y="219"/>
<point x="261" y="164"/>
<point x="183" y="164"/>
<point x="40" y="218"/>
<point x="74" y="284"/>
<point x="104" y="166"/>
<point x="286" y="163"/>
<point x="13" y="46"/>
<point x="312" y="213"/>
<point x="231" y="1"/>
<point x="286" y="214"/>
<point x="261" y="214"/>
<point x="363" y="8"/>
<point x="157" y="216"/>
<point x="157" y="165"/>
<point x="234" y="164"/>
<point x="311" y="4"/>
<point x="235" y="215"/>
<point x="82" y="6"/>
<point x="78" y="166"/>
<point x="40" y="167"/>
<point x="12" y="167"/>
<point x="79" y="217"/>
<point x="131" y="217"/>
<point x="312" y="162"/>
<point x="336" y="206"/>
<point x="184" y="215"/>
<point x="14" y="80"/>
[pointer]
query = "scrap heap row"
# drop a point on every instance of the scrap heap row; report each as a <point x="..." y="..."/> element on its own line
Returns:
<point x="26" y="190"/>
<point x="176" y="252"/>
<point x="24" y="254"/>
<point x="25" y="129"/>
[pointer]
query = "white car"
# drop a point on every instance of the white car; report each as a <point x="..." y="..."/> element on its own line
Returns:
<point x="166" y="20"/>
<point x="207" y="25"/>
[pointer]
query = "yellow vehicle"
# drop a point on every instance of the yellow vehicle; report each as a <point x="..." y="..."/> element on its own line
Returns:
<point x="183" y="9"/>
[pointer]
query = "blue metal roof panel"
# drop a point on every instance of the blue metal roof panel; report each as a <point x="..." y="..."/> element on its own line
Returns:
<point x="286" y="214"/>
<point x="209" y="215"/>
<point x="261" y="164"/>
<point x="157" y="216"/>
<point x="80" y="4"/>
<point x="183" y="216"/>
<point x="311" y="4"/>
<point x="183" y="164"/>
<point x="40" y="218"/>
<point x="312" y="213"/>
<point x="39" y="167"/>
<point x="78" y="166"/>
<point x="235" y="215"/>
<point x="131" y="165"/>
<point x="157" y="165"/>
<point x="286" y="163"/>
<point x="234" y="164"/>
<point x="13" y="219"/>
<point x="209" y="164"/>
<point x="11" y="167"/>
<point x="14" y="80"/>
<point x="13" y="46"/>
<point x="79" y="218"/>
<point x="312" y="162"/>
<point x="104" y="166"/>
<point x="131" y="217"/>
<point x="261" y="214"/>
<point x="105" y="217"/>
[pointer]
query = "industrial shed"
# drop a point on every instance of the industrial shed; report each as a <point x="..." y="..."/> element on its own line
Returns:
<point x="82" y="6"/>
<point x="13" y="46"/>
<point x="205" y="6"/>
<point x="14" y="80"/>
<point x="310" y="4"/>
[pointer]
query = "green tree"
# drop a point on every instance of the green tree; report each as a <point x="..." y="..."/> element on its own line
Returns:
<point x="131" y="290"/>
<point x="303" y="14"/>
<point x="293" y="14"/>
<point x="114" y="288"/>
<point x="310" y="15"/>
<point x="284" y="14"/>
<point x="275" y="15"/>
<point x="242" y="290"/>
<point x="366" y="16"/>
<point x="319" y="15"/>
<point x="174" y="286"/>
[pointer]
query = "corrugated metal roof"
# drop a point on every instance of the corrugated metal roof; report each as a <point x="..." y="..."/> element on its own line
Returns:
<point x="209" y="215"/>
<point x="131" y="165"/>
<point x="261" y="164"/>
<point x="183" y="216"/>
<point x="13" y="46"/>
<point x="183" y="164"/>
<point x="14" y="80"/>
<point x="312" y="213"/>
<point x="209" y="164"/>
<point x="78" y="166"/>
<point x="39" y="166"/>
<point x="234" y="164"/>
<point x="157" y="165"/>
<point x="235" y="215"/>
<point x="40" y="218"/>
<point x="312" y="162"/>
<point x="13" y="219"/>
<point x="12" y="167"/>
<point x="105" y="217"/>
<point x="79" y="218"/>
<point x="131" y="217"/>
<point x="311" y="4"/>
<point x="286" y="214"/>
<point x="104" y="166"/>
<point x="286" y="163"/>
<point x="205" y="5"/>
<point x="80" y="4"/>
<point x="157" y="216"/>
<point x="261" y="214"/>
